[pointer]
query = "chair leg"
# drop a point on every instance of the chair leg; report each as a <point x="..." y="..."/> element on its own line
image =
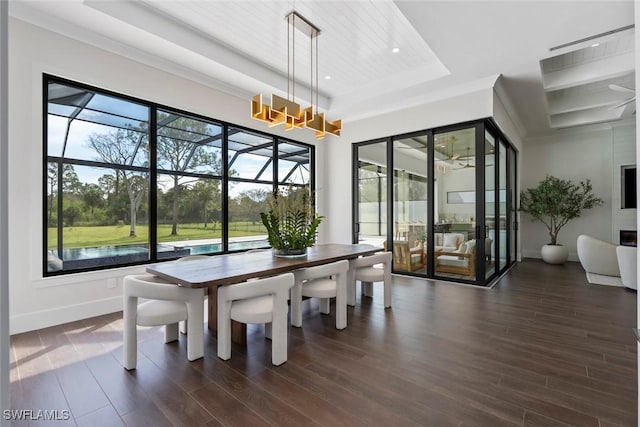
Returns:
<point x="224" y="328"/>
<point x="367" y="289"/>
<point x="341" y="301"/>
<point x="130" y="333"/>
<point x="195" y="329"/>
<point x="279" y="329"/>
<point x="268" y="331"/>
<point x="296" y="305"/>
<point x="325" y="305"/>
<point x="170" y="332"/>
<point x="387" y="287"/>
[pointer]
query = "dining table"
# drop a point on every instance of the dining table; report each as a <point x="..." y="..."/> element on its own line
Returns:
<point x="228" y="269"/>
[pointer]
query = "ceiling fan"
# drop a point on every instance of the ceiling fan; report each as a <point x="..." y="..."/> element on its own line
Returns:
<point x="446" y="148"/>
<point x="422" y="145"/>
<point x="628" y="91"/>
<point x="467" y="164"/>
<point x="449" y="154"/>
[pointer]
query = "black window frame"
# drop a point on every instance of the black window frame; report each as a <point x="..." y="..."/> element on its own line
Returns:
<point x="153" y="170"/>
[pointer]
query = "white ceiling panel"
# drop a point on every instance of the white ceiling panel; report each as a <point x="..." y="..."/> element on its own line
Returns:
<point x="354" y="46"/>
<point x="447" y="48"/>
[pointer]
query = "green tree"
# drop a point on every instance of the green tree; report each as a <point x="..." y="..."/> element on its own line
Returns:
<point x="182" y="147"/>
<point x="70" y="214"/>
<point x="125" y="147"/>
<point x="555" y="202"/>
<point x="92" y="196"/>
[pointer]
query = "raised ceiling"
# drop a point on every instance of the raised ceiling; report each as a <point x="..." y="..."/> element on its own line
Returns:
<point x="591" y="81"/>
<point x="447" y="48"/>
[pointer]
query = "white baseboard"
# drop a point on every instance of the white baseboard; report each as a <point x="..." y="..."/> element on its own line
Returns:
<point x="60" y="315"/>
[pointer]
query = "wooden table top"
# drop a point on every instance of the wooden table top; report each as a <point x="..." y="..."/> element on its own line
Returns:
<point x="234" y="268"/>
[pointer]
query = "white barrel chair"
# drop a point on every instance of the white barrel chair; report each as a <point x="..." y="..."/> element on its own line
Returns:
<point x="323" y="282"/>
<point x="599" y="260"/>
<point x="628" y="263"/>
<point x="256" y="301"/>
<point x="168" y="305"/>
<point x="370" y="269"/>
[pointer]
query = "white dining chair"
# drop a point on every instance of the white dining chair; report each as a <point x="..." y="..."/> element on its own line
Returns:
<point x="323" y="282"/>
<point x="370" y="269"/>
<point x="256" y="301"/>
<point x="168" y="304"/>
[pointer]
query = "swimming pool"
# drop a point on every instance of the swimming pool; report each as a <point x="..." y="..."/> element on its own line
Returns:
<point x="75" y="254"/>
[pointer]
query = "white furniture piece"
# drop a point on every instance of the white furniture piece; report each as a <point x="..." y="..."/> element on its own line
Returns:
<point x="168" y="305"/>
<point x="370" y="269"/>
<point x="628" y="264"/>
<point x="460" y="261"/>
<point x="256" y="301"/>
<point x="448" y="242"/>
<point x="324" y="282"/>
<point x="599" y="260"/>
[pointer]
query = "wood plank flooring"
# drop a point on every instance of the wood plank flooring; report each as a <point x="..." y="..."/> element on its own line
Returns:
<point x="542" y="348"/>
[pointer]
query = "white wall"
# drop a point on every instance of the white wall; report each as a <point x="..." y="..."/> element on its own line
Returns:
<point x="623" y="154"/>
<point x="37" y="302"/>
<point x="463" y="108"/>
<point x="575" y="154"/>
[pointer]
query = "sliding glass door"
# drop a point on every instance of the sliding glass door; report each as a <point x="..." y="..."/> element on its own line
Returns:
<point x="370" y="191"/>
<point x="451" y="214"/>
<point x="410" y="203"/>
<point x="454" y="243"/>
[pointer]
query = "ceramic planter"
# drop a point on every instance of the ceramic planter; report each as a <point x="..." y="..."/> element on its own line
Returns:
<point x="555" y="254"/>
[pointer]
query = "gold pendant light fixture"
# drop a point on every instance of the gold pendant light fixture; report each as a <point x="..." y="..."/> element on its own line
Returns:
<point x="285" y="111"/>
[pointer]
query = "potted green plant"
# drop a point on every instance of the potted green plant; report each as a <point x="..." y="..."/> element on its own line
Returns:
<point x="291" y="222"/>
<point x="555" y="202"/>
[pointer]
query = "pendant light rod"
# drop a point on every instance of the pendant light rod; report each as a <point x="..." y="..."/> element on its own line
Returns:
<point x="287" y="111"/>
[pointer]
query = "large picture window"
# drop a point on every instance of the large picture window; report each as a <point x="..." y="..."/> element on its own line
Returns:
<point x="127" y="181"/>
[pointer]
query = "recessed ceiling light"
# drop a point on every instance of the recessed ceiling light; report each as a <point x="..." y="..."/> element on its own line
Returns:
<point x="395" y="50"/>
<point x="595" y="45"/>
<point x="327" y="77"/>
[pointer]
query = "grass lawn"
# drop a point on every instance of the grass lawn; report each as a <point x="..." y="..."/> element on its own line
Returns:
<point x="113" y="235"/>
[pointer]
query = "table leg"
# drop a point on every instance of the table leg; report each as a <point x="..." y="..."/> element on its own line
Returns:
<point x="238" y="329"/>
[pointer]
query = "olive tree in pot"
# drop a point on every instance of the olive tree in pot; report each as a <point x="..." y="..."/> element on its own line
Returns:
<point x="555" y="202"/>
<point x="291" y="222"/>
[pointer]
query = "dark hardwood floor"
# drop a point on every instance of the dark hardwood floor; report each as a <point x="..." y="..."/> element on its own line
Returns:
<point x="542" y="348"/>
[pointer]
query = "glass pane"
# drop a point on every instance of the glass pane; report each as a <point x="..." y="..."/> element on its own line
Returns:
<point x="250" y="155"/>
<point x="246" y="202"/>
<point x="54" y="262"/>
<point x="86" y="125"/>
<point x="490" y="203"/>
<point x="410" y="204"/>
<point x="455" y="204"/>
<point x="294" y="163"/>
<point x="502" y="224"/>
<point x="188" y="145"/>
<point x="189" y="216"/>
<point x="104" y="218"/>
<point x="372" y="194"/>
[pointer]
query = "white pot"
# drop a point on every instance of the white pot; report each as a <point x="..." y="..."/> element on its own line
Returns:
<point x="555" y="254"/>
